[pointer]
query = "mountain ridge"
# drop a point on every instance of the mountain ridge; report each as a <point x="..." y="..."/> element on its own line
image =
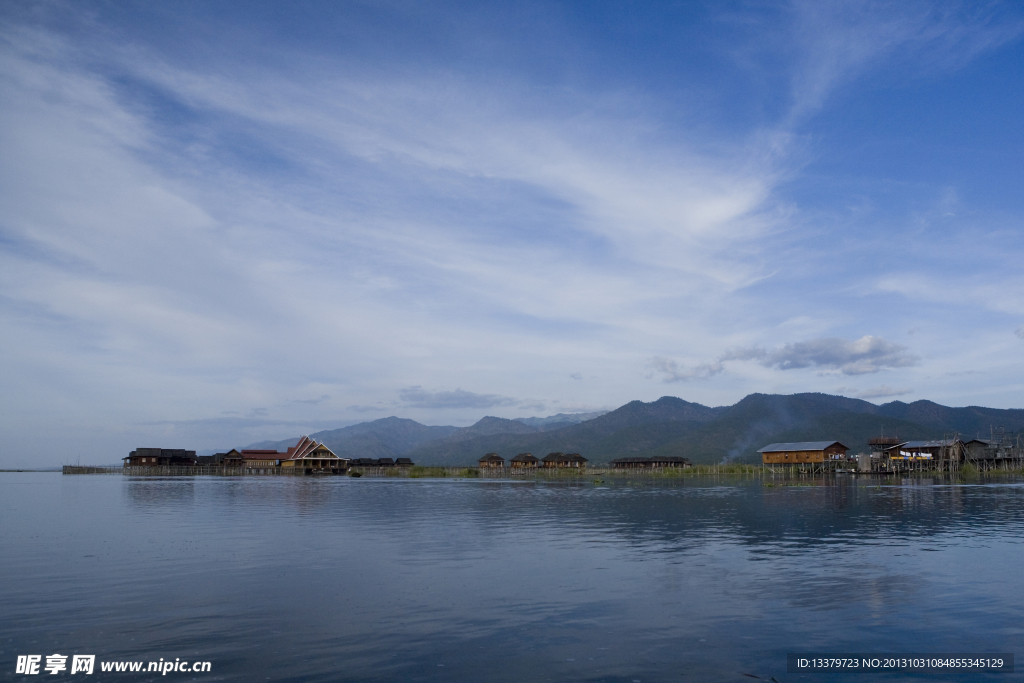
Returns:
<point x="668" y="426"/>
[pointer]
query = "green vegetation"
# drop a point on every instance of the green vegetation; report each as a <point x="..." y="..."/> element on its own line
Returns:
<point x="421" y="472"/>
<point x="417" y="471"/>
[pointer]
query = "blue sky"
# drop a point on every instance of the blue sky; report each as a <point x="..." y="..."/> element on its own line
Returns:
<point x="222" y="222"/>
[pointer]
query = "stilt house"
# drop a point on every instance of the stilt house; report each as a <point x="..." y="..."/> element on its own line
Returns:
<point x="801" y="452"/>
<point x="561" y="460"/>
<point x="491" y="460"/>
<point x="261" y="458"/>
<point x="525" y="460"/>
<point x="160" y="457"/>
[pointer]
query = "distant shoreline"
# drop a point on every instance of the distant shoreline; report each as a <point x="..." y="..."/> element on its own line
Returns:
<point x="48" y="469"/>
<point x="597" y="474"/>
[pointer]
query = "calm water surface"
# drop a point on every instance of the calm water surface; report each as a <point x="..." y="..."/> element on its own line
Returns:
<point x="324" y="579"/>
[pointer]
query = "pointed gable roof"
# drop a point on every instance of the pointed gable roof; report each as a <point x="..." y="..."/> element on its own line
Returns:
<point x="308" y="448"/>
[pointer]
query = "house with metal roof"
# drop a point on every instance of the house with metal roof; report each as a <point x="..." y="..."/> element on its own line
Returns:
<point x="802" y="452"/>
<point x="944" y="449"/>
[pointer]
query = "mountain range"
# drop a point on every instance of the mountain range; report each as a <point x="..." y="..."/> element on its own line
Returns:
<point x="668" y="426"/>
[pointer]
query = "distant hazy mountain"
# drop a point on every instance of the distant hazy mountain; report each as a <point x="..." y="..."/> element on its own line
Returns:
<point x="489" y="426"/>
<point x="672" y="426"/>
<point x="558" y="421"/>
<point x="392" y="437"/>
<point x="971" y="421"/>
<point x="668" y="426"/>
<point x="389" y="437"/>
<point x="634" y="428"/>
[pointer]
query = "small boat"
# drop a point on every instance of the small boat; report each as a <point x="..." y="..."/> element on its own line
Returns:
<point x="355" y="474"/>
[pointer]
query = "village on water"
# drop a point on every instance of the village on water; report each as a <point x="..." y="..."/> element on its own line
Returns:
<point x="885" y="455"/>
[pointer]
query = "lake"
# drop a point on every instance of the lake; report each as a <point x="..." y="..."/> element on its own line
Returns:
<point x="328" y="579"/>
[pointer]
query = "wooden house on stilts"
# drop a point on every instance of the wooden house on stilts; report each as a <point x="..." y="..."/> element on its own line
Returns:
<point x="525" y="460"/>
<point x="491" y="460"/>
<point x="812" y="456"/>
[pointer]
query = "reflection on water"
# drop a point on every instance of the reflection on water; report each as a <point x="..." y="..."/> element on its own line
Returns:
<point x="377" y="579"/>
<point x="154" y="495"/>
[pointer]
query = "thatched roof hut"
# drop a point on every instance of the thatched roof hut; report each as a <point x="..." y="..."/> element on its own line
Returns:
<point x="491" y="460"/>
<point x="563" y="460"/>
<point x="575" y="460"/>
<point x="553" y="459"/>
<point x="525" y="460"/>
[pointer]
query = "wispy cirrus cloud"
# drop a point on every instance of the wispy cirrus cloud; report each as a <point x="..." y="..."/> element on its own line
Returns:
<point x="837" y="41"/>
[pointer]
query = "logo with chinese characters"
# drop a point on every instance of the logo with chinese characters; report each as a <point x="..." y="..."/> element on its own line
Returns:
<point x="55" y="663"/>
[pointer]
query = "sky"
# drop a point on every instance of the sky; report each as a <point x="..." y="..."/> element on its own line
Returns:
<point x="222" y="222"/>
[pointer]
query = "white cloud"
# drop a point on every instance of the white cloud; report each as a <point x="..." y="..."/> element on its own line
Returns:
<point x="673" y="372"/>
